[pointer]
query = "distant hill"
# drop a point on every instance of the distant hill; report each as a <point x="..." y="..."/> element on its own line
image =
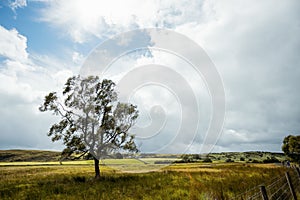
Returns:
<point x="44" y="156"/>
<point x="28" y="155"/>
<point x="251" y="156"/>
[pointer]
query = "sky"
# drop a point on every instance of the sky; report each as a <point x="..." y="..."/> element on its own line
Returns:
<point x="254" y="46"/>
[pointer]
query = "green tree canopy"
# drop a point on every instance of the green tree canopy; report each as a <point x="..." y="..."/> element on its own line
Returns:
<point x="291" y="147"/>
<point x="92" y="119"/>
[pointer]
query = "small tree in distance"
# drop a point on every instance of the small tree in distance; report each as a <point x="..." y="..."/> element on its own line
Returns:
<point x="92" y="119"/>
<point x="291" y="147"/>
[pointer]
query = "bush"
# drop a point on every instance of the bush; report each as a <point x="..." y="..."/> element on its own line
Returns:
<point x="229" y="160"/>
<point x="242" y="159"/>
<point x="164" y="162"/>
<point x="118" y="156"/>
<point x="271" y="160"/>
<point x="207" y="160"/>
<point x="189" y="158"/>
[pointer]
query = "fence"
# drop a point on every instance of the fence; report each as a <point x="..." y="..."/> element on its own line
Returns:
<point x="284" y="187"/>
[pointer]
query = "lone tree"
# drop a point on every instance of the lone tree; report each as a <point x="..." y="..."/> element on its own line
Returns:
<point x="92" y="119"/>
<point x="291" y="147"/>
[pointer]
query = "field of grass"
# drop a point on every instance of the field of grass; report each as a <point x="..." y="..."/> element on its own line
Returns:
<point x="149" y="177"/>
<point x="177" y="181"/>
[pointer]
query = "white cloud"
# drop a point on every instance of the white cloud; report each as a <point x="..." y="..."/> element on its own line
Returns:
<point x="13" y="45"/>
<point x="17" y="4"/>
<point x="172" y="87"/>
<point x="256" y="53"/>
<point x="254" y="44"/>
<point x="22" y="90"/>
<point x="82" y="19"/>
<point x="77" y="57"/>
<point x="24" y="81"/>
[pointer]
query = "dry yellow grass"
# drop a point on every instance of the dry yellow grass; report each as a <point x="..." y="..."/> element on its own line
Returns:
<point x="178" y="181"/>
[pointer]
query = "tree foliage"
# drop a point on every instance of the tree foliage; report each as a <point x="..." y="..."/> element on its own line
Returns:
<point x="92" y="119"/>
<point x="291" y="147"/>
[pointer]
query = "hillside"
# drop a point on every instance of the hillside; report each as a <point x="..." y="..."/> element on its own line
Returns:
<point x="43" y="156"/>
<point x="28" y="155"/>
<point x="251" y="156"/>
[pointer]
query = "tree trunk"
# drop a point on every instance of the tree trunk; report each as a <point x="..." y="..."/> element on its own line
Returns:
<point x="97" y="169"/>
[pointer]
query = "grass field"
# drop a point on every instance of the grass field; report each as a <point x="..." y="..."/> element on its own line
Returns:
<point x="40" y="175"/>
<point x="74" y="180"/>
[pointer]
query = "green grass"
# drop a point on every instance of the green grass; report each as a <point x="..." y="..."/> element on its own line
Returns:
<point x="127" y="165"/>
<point x="178" y="181"/>
<point x="39" y="175"/>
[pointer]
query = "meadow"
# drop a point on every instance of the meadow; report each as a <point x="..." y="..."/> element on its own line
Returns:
<point x="75" y="179"/>
<point x="179" y="181"/>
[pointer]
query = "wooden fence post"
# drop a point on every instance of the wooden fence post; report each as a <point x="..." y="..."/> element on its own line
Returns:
<point x="264" y="192"/>
<point x="288" y="178"/>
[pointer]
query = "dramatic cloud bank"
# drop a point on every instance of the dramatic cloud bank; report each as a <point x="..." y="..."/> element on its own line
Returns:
<point x="254" y="44"/>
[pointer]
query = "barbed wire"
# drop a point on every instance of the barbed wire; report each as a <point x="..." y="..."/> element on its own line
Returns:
<point x="279" y="178"/>
<point x="277" y="189"/>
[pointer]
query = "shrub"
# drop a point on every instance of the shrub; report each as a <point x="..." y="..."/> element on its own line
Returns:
<point x="271" y="160"/>
<point x="229" y="160"/>
<point x="118" y="156"/>
<point x="189" y="158"/>
<point x="164" y="162"/>
<point x="207" y="160"/>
